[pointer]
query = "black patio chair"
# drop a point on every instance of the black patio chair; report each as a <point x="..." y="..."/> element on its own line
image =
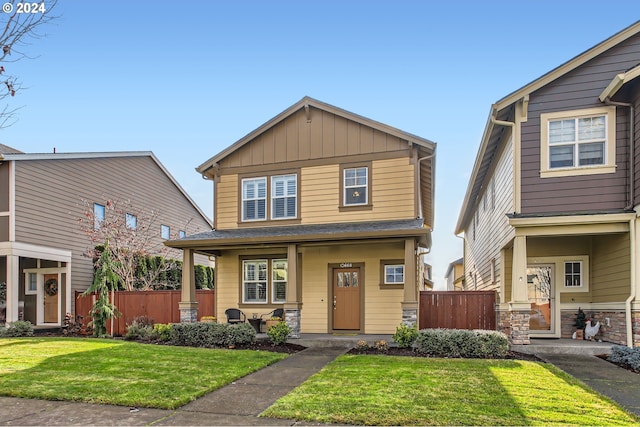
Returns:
<point x="235" y="315"/>
<point x="278" y="312"/>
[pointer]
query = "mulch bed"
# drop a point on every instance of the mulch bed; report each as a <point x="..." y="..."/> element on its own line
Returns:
<point x="605" y="357"/>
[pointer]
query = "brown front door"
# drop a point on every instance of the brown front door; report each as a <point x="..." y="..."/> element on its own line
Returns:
<point x="51" y="290"/>
<point x="346" y="298"/>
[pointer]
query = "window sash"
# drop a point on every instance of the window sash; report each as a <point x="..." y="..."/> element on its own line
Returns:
<point x="577" y="142"/>
<point x="98" y="215"/>
<point x="284" y="194"/>
<point x="254" y="199"/>
<point x="131" y="221"/>
<point x="573" y="274"/>
<point x="355" y="182"/>
<point x="254" y="281"/>
<point x="165" y="232"/>
<point x="394" y="274"/>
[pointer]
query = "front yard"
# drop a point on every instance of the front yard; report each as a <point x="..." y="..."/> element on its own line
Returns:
<point x="390" y="390"/>
<point x="120" y="372"/>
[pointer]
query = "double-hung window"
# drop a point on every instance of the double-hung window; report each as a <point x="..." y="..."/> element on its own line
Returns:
<point x="284" y="194"/>
<point x="254" y="199"/>
<point x="98" y="215"/>
<point x="356" y="186"/>
<point x="578" y="142"/>
<point x="264" y="280"/>
<point x="573" y="274"/>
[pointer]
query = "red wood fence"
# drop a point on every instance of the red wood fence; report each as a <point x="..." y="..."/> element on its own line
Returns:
<point x="160" y="306"/>
<point x="458" y="309"/>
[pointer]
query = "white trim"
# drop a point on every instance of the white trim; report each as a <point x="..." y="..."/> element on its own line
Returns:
<point x="34" y="251"/>
<point x="12" y="201"/>
<point x="554" y="296"/>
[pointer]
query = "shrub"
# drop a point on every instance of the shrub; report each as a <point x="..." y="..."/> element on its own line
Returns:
<point x="279" y="333"/>
<point x="19" y="328"/>
<point x="362" y="345"/>
<point x="462" y="343"/>
<point x="381" y="345"/>
<point x="405" y="336"/>
<point x="625" y="355"/>
<point x="139" y="330"/>
<point x="162" y="332"/>
<point x="202" y="334"/>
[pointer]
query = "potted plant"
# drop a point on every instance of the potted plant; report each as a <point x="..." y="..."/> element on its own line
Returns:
<point x="208" y="319"/>
<point x="580" y="324"/>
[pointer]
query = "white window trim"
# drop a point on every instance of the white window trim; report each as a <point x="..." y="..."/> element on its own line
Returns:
<point x="610" y="143"/>
<point x="345" y="187"/>
<point x="96" y="223"/>
<point x="164" y="227"/>
<point x="274" y="198"/>
<point x="243" y="213"/>
<point x="28" y="291"/>
<point x="273" y="282"/>
<point x="244" y="291"/>
<point x="394" y="266"/>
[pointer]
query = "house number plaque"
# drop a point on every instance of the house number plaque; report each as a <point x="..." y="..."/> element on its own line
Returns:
<point x="346" y="265"/>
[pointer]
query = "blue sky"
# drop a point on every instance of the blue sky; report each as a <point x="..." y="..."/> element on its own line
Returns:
<point x="187" y="79"/>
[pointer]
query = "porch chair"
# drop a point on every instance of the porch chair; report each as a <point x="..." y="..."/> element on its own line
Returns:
<point x="278" y="312"/>
<point x="235" y="315"/>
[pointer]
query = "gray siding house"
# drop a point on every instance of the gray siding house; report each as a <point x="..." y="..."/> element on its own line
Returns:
<point x="42" y="197"/>
<point x="550" y="216"/>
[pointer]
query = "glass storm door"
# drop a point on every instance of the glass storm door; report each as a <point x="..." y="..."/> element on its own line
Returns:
<point x="346" y="298"/>
<point x="540" y="287"/>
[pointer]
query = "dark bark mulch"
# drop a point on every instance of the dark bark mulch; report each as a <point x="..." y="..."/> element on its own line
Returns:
<point x="605" y="357"/>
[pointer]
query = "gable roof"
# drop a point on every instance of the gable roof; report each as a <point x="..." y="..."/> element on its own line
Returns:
<point x="19" y="156"/>
<point x="5" y="149"/>
<point x="305" y="103"/>
<point x="503" y="109"/>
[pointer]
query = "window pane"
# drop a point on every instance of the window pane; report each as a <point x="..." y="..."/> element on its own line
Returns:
<point x="562" y="131"/>
<point x="340" y="280"/>
<point x="591" y="154"/>
<point x="131" y="221"/>
<point x="561" y="156"/>
<point x="591" y="128"/>
<point x="279" y="292"/>
<point x="284" y="195"/>
<point x="98" y="215"/>
<point x="254" y="194"/>
<point x="354" y="279"/>
<point x="165" y="232"/>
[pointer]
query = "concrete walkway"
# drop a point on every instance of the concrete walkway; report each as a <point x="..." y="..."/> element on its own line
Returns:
<point x="238" y="403"/>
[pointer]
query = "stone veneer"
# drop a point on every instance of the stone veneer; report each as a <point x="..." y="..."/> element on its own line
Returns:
<point x="292" y="318"/>
<point x="188" y="315"/>
<point x="616" y="333"/>
<point x="519" y="321"/>
<point x="410" y="317"/>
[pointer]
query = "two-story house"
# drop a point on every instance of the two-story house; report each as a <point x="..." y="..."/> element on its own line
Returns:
<point x="454" y="276"/>
<point x="42" y="198"/>
<point x="323" y="213"/>
<point x="550" y="216"/>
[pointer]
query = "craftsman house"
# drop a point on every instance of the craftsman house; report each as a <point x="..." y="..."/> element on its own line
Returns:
<point x="323" y="213"/>
<point x="550" y="216"/>
<point x="42" y="197"/>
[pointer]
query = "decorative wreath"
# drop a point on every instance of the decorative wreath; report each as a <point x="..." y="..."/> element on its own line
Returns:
<point x="51" y="287"/>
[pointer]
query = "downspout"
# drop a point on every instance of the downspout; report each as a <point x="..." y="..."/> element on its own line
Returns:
<point x="632" y="223"/>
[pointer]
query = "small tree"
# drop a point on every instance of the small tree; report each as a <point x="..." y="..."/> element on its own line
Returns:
<point x="581" y="320"/>
<point x="104" y="280"/>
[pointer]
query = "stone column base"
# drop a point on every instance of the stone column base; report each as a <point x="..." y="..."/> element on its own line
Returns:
<point x="519" y="321"/>
<point x="410" y="317"/>
<point x="292" y="318"/>
<point x="188" y="312"/>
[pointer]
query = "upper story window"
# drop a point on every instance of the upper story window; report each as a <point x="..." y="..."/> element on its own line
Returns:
<point x="356" y="186"/>
<point x="578" y="142"/>
<point x="98" y="215"/>
<point x="182" y="234"/>
<point x="284" y="194"/>
<point x="165" y="232"/>
<point x="131" y="221"/>
<point x="254" y="199"/>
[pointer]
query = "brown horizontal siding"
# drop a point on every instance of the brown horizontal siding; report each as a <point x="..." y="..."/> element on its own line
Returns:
<point x="50" y="194"/>
<point x="577" y="89"/>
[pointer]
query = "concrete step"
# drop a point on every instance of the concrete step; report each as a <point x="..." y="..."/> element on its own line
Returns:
<point x="564" y="346"/>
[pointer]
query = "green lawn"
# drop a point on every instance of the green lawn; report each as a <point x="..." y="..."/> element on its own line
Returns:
<point x="119" y="372"/>
<point x="386" y="390"/>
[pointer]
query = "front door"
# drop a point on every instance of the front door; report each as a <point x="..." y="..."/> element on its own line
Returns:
<point x="346" y="298"/>
<point x="541" y="296"/>
<point x="51" y="291"/>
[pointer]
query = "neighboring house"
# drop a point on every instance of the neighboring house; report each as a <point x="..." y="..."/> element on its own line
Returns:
<point x="42" y="198"/>
<point x="323" y="213"/>
<point x="550" y="213"/>
<point x="455" y="276"/>
<point x="427" y="277"/>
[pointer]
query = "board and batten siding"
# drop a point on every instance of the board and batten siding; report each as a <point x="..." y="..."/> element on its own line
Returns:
<point x="392" y="192"/>
<point x="578" y="89"/>
<point x="492" y="229"/>
<point x="50" y="194"/>
<point x="324" y="136"/>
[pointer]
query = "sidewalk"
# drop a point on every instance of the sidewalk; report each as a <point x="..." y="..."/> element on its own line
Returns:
<point x="238" y="403"/>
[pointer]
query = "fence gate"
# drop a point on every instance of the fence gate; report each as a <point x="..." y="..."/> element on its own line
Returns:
<point x="458" y="309"/>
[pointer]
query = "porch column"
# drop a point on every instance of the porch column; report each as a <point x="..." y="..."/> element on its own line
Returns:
<point x="293" y="305"/>
<point x="13" y="269"/>
<point x="410" y="303"/>
<point x="188" y="304"/>
<point x="519" y="306"/>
